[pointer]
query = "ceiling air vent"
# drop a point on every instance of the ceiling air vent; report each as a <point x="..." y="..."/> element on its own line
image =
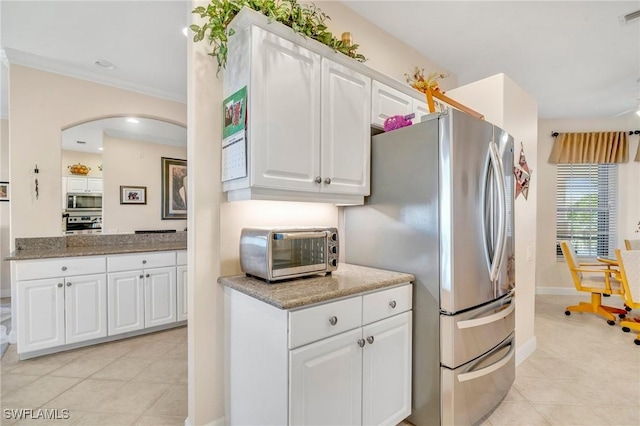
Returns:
<point x="626" y="19"/>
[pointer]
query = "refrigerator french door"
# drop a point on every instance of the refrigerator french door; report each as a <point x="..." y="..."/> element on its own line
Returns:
<point x="441" y="208"/>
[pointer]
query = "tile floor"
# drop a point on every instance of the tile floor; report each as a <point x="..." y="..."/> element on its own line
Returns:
<point x="584" y="372"/>
<point x="136" y="381"/>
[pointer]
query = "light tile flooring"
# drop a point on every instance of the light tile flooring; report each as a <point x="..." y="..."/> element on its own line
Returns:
<point x="584" y="372"/>
<point x="136" y="381"/>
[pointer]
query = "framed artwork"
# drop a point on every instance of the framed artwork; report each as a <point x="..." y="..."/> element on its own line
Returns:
<point x="4" y="191"/>
<point x="133" y="195"/>
<point x="174" y="188"/>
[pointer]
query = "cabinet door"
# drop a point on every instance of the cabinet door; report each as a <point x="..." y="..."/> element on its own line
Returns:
<point x="346" y="130"/>
<point x="419" y="109"/>
<point x="159" y="296"/>
<point x="326" y="381"/>
<point x="386" y="394"/>
<point x="284" y="114"/>
<point x="94" y="184"/>
<point x="387" y="102"/>
<point x="125" y="298"/>
<point x="63" y="190"/>
<point x="40" y="314"/>
<point x="76" y="184"/>
<point x="85" y="307"/>
<point x="182" y="293"/>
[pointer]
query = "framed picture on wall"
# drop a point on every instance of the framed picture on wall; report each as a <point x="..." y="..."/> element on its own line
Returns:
<point x="174" y="188"/>
<point x="133" y="195"/>
<point x="4" y="191"/>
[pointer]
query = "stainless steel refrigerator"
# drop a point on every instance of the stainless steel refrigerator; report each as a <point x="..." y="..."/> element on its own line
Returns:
<point x="441" y="208"/>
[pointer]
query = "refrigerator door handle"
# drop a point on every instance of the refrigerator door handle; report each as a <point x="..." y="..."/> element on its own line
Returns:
<point x="487" y="210"/>
<point x="498" y="174"/>
<point x="490" y="369"/>
<point x="477" y="322"/>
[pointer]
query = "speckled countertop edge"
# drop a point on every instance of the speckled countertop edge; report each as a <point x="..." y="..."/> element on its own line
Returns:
<point x="96" y="245"/>
<point x="348" y="280"/>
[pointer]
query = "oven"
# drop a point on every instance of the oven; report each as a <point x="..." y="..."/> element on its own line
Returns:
<point x="83" y="223"/>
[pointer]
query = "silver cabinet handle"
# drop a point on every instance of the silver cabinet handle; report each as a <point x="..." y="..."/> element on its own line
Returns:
<point x="147" y="275"/>
<point x="59" y="284"/>
<point x="68" y="284"/>
<point x="333" y="320"/>
<point x="318" y="179"/>
<point x="141" y="276"/>
<point x="64" y="268"/>
<point x="144" y="262"/>
<point x="361" y="343"/>
<point x="392" y="304"/>
<point x="370" y="339"/>
<point x="327" y="181"/>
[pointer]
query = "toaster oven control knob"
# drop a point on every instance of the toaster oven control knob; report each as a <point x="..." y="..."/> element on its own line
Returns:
<point x="318" y="179"/>
<point x="333" y="320"/>
<point x="334" y="262"/>
<point x="334" y="249"/>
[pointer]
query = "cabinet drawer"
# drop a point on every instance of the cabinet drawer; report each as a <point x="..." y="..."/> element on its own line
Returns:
<point x="385" y="303"/>
<point x="59" y="267"/>
<point x="311" y="324"/>
<point x="127" y="262"/>
<point x="181" y="257"/>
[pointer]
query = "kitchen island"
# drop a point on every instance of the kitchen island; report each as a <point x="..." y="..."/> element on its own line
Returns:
<point x="332" y="349"/>
<point x="79" y="290"/>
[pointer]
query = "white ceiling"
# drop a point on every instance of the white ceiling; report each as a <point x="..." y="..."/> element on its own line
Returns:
<point x="574" y="57"/>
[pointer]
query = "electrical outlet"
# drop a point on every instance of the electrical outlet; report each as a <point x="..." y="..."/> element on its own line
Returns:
<point x="529" y="253"/>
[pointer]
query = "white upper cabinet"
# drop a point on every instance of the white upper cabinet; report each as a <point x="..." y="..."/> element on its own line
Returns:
<point x="83" y="184"/>
<point x="419" y="109"/>
<point x="346" y="130"/>
<point x="387" y="102"/>
<point x="284" y="113"/>
<point x="308" y="122"/>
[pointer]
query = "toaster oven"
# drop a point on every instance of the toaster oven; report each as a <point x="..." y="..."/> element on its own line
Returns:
<point x="275" y="254"/>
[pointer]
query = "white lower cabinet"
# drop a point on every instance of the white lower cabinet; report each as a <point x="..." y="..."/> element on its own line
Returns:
<point x="141" y="299"/>
<point x="181" y="295"/>
<point x="348" y="362"/>
<point x="57" y="311"/>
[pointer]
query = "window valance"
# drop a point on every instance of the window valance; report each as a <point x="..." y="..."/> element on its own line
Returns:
<point x="590" y="147"/>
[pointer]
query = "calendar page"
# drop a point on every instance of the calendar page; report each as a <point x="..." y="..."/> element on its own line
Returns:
<point x="234" y="157"/>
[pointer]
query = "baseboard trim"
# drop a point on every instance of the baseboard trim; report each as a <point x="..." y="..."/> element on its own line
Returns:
<point x="525" y="350"/>
<point x="216" y="422"/>
<point x="557" y="291"/>
<point x="6" y="292"/>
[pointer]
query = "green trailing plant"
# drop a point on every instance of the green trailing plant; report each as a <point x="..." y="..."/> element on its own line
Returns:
<point x="307" y="20"/>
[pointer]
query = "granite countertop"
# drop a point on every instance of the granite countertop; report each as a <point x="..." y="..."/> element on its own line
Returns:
<point x="346" y="281"/>
<point x="95" y="245"/>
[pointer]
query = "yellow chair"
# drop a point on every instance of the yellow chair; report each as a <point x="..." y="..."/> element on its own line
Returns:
<point x="629" y="262"/>
<point x="594" y="278"/>
<point x="632" y="244"/>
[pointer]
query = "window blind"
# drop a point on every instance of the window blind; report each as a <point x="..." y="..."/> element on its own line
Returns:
<point x="587" y="208"/>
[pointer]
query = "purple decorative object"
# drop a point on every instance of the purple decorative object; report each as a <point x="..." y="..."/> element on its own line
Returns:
<point x="397" y="122"/>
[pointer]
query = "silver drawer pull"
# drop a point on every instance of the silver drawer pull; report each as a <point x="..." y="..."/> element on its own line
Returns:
<point x="144" y="262"/>
<point x="59" y="284"/>
<point x="64" y="268"/>
<point x="148" y="275"/>
<point x="333" y="320"/>
<point x="318" y="179"/>
<point x="361" y="343"/>
<point x="392" y="304"/>
<point x="141" y="276"/>
<point x="370" y="339"/>
<point x="68" y="284"/>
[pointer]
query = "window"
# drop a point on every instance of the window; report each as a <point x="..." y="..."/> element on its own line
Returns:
<point x="587" y="208"/>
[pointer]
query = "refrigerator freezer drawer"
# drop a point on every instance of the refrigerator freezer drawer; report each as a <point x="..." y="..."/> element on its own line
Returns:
<point x="470" y="334"/>
<point x="474" y="389"/>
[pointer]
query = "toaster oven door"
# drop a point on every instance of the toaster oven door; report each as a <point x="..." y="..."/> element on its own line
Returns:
<point x="295" y="253"/>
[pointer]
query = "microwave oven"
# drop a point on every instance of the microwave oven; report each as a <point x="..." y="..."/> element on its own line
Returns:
<point x="84" y="201"/>
<point x="275" y="254"/>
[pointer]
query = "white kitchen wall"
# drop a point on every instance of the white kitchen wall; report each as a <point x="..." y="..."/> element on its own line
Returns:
<point x="41" y="104"/>
<point x="508" y="106"/>
<point x="135" y="163"/>
<point x="553" y="276"/>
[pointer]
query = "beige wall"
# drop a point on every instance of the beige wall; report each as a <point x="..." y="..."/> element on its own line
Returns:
<point x="506" y="105"/>
<point x="5" y="270"/>
<point x="41" y="104"/>
<point x="553" y="275"/>
<point x="207" y="258"/>
<point x="134" y="163"/>
<point x="93" y="161"/>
